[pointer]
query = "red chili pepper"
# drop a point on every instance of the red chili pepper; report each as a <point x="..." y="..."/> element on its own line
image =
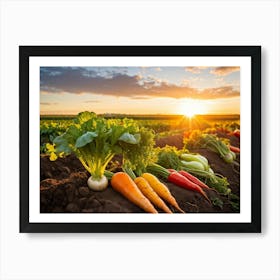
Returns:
<point x="193" y="179"/>
<point x="171" y="170"/>
<point x="181" y="181"/>
<point x="234" y="149"/>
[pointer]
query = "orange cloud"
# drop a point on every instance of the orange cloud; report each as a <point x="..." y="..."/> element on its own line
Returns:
<point x="92" y="101"/>
<point x="225" y="70"/>
<point x="48" y="103"/>
<point x="195" y="69"/>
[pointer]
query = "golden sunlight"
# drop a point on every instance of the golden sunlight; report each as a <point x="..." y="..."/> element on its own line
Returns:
<point x="192" y="107"/>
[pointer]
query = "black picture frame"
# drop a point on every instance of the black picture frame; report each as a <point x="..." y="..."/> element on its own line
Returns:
<point x="254" y="52"/>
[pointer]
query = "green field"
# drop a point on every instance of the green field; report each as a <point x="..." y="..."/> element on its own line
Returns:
<point x="163" y="125"/>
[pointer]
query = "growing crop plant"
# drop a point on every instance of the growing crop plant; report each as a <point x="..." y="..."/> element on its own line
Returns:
<point x="95" y="141"/>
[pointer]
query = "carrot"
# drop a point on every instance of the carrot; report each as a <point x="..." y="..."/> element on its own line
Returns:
<point x="148" y="191"/>
<point x="234" y="149"/>
<point x="161" y="190"/>
<point x="122" y="183"/>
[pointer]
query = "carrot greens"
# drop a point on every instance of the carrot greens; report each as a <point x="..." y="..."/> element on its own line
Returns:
<point x="211" y="142"/>
<point x="137" y="156"/>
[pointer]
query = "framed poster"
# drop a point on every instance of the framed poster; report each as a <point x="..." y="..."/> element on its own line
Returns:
<point x="140" y="138"/>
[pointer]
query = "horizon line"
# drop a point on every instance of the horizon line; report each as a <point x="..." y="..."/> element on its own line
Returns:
<point x="156" y="114"/>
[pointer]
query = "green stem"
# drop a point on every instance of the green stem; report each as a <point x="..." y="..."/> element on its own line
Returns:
<point x="84" y="164"/>
<point x="159" y="170"/>
<point x="108" y="174"/>
<point x="129" y="172"/>
<point x="201" y="173"/>
<point x="96" y="163"/>
<point x="216" y="147"/>
<point x="97" y="169"/>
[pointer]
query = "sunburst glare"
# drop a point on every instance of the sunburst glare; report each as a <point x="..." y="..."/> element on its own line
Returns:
<point x="192" y="107"/>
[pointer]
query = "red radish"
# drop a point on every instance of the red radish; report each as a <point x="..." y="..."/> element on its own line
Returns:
<point x="234" y="149"/>
<point x="193" y="179"/>
<point x="181" y="181"/>
<point x="177" y="179"/>
<point x="236" y="133"/>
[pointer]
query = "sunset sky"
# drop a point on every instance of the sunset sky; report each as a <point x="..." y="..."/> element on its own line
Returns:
<point x="140" y="90"/>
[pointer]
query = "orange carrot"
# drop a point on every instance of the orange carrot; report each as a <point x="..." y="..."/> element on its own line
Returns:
<point x="149" y="192"/>
<point x="161" y="190"/>
<point x="122" y="183"/>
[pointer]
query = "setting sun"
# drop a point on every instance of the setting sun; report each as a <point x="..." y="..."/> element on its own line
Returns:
<point x="191" y="107"/>
<point x="190" y="113"/>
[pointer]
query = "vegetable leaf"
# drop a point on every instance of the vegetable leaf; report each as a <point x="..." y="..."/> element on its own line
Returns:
<point x="85" y="139"/>
<point x="217" y="202"/>
<point x="138" y="156"/>
<point x="62" y="145"/>
<point x="168" y="157"/>
<point x="129" y="138"/>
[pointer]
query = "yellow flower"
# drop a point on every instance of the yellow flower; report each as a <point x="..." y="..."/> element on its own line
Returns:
<point x="53" y="156"/>
<point x="50" y="148"/>
<point x="61" y="154"/>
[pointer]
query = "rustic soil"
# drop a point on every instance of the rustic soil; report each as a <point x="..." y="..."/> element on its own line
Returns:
<point x="63" y="187"/>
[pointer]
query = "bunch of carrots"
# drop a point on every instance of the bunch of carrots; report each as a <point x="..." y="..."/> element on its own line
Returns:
<point x="145" y="191"/>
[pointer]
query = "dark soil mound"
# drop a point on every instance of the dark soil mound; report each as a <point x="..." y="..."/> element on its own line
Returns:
<point x="172" y="140"/>
<point x="71" y="194"/>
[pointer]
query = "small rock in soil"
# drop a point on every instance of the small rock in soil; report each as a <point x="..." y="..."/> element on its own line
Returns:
<point x="92" y="203"/>
<point x="84" y="191"/>
<point x="79" y="178"/>
<point x="110" y="207"/>
<point x="66" y="169"/>
<point x="72" y="207"/>
<point x="48" y="174"/>
<point x="64" y="175"/>
<point x="70" y="192"/>
<point x="82" y="202"/>
<point x="76" y="192"/>
<point x="64" y="202"/>
<point x="58" y="197"/>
